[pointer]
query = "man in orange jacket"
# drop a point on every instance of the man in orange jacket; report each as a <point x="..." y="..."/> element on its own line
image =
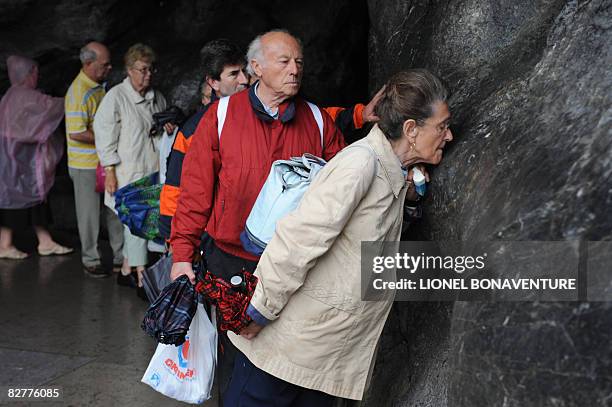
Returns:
<point x="223" y="72"/>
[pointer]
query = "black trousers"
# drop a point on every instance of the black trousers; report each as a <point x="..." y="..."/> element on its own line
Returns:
<point x="252" y="387"/>
<point x="224" y="265"/>
<point x="19" y="219"/>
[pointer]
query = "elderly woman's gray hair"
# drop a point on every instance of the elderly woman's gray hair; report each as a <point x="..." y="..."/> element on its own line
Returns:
<point x="408" y="95"/>
<point x="139" y="52"/>
<point x="255" y="50"/>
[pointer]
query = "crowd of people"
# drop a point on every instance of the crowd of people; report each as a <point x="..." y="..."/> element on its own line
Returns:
<point x="311" y="338"/>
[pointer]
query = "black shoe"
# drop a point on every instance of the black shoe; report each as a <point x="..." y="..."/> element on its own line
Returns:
<point x="142" y="294"/>
<point x="131" y="280"/>
<point x="95" y="271"/>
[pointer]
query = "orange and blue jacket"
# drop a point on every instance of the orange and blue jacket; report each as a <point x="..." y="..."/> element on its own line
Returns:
<point x="344" y="119"/>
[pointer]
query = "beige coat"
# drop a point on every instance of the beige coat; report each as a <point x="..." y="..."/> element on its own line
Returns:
<point x="322" y="335"/>
<point x="121" y="127"/>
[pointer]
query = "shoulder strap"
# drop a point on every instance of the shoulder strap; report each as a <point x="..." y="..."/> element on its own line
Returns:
<point x="221" y="113"/>
<point x="318" y="118"/>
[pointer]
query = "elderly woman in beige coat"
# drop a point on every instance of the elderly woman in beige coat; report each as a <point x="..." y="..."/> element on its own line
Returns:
<point x="126" y="149"/>
<point x="312" y="336"/>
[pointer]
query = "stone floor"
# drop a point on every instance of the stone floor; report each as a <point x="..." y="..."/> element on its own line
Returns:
<point x="60" y="328"/>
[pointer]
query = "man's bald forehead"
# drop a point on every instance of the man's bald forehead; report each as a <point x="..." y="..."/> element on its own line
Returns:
<point x="279" y="36"/>
<point x="97" y="47"/>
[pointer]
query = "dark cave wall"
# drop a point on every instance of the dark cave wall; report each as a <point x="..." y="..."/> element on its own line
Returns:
<point x="531" y="160"/>
<point x="52" y="32"/>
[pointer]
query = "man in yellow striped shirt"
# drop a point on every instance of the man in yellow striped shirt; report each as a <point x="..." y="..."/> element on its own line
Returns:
<point x="81" y="103"/>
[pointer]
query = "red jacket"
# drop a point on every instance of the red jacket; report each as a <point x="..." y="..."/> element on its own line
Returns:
<point x="222" y="178"/>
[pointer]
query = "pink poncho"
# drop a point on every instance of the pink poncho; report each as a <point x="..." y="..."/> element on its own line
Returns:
<point x="29" y="149"/>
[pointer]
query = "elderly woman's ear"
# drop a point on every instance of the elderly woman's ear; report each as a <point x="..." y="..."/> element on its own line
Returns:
<point x="409" y="130"/>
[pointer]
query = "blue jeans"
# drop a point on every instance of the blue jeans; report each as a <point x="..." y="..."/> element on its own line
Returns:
<point x="252" y="387"/>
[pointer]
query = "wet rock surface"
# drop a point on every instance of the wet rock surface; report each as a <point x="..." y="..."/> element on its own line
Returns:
<point x="531" y="160"/>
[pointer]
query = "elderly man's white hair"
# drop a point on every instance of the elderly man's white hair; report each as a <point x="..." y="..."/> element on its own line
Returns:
<point x="255" y="50"/>
<point x="87" y="54"/>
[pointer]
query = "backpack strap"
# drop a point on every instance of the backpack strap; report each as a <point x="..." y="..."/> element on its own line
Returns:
<point x="221" y="113"/>
<point x="318" y="118"/>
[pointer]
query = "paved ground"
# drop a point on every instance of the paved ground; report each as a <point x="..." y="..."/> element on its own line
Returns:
<point x="59" y="327"/>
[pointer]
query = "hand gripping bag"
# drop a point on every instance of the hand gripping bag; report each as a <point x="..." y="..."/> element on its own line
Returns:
<point x="186" y="372"/>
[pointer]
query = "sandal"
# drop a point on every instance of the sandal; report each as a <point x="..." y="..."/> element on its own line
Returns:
<point x="55" y="250"/>
<point x="13" y="254"/>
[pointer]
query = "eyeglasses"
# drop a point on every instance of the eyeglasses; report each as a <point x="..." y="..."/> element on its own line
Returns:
<point x="145" y="70"/>
<point x="441" y="128"/>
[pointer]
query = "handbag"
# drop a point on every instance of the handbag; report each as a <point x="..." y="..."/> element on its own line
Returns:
<point x="100" y="179"/>
<point x="186" y="372"/>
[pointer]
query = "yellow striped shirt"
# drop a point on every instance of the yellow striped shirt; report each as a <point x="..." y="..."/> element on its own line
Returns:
<point x="81" y="103"/>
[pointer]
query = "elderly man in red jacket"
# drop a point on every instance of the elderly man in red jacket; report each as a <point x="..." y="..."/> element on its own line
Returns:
<point x="223" y="173"/>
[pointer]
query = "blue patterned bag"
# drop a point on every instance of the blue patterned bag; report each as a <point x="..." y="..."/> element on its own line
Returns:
<point x="137" y="205"/>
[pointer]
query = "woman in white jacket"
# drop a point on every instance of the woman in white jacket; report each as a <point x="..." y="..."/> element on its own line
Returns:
<point x="126" y="149"/>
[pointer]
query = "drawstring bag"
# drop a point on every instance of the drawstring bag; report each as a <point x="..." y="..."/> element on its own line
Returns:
<point x="280" y="194"/>
<point x="137" y="205"/>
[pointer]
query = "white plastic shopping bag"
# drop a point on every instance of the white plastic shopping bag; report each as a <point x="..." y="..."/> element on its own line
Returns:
<point x="186" y="372"/>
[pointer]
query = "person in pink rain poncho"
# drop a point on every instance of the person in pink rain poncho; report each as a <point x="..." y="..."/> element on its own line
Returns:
<point x="29" y="153"/>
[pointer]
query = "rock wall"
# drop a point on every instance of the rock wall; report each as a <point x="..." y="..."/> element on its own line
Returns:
<point x="531" y="160"/>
